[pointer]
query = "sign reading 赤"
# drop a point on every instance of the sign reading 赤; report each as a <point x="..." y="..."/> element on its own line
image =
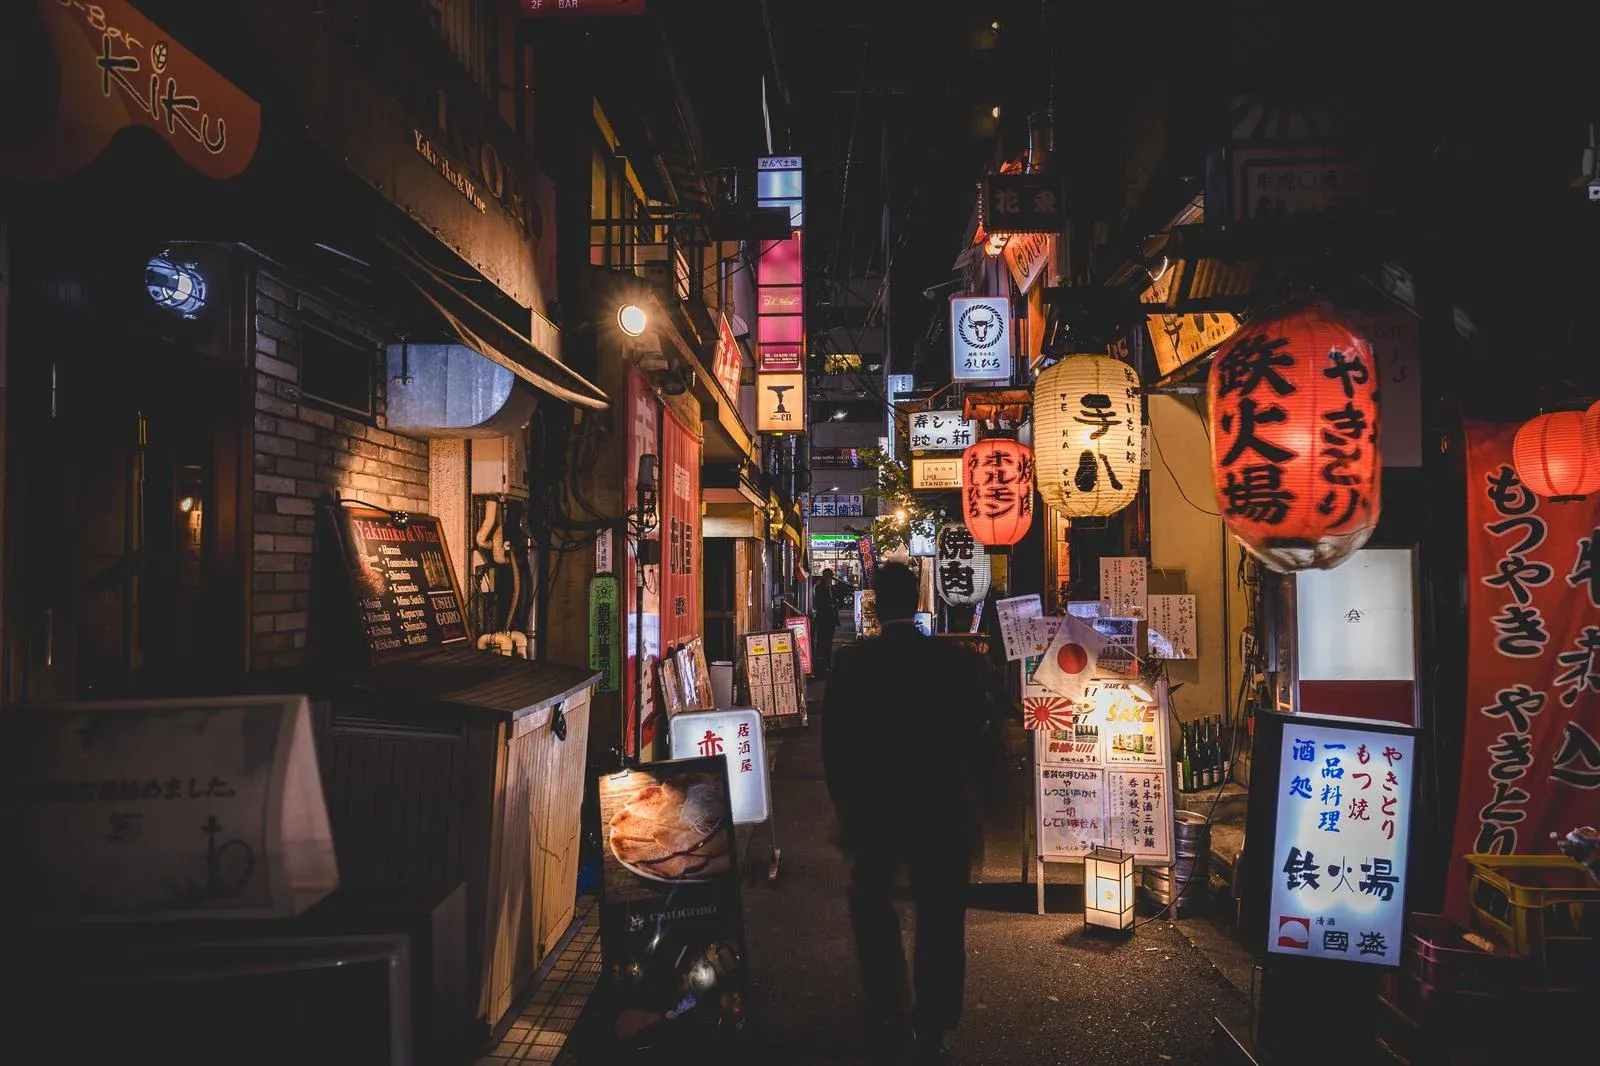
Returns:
<point x="115" y="68"/>
<point x="404" y="584"/>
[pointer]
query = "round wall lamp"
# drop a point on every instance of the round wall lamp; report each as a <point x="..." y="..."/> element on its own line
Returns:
<point x="631" y="319"/>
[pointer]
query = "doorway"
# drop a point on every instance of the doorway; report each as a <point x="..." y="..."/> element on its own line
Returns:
<point x="124" y="549"/>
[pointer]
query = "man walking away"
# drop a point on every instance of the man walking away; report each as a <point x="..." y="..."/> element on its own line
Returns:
<point x="824" y="621"/>
<point x="930" y="698"/>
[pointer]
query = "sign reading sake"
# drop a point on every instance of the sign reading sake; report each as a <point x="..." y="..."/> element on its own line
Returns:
<point x="166" y="809"/>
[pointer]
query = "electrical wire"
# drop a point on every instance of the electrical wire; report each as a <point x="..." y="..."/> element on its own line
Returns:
<point x="1177" y="484"/>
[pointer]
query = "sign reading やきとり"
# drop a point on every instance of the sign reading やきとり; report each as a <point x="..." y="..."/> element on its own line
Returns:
<point x="1339" y="850"/>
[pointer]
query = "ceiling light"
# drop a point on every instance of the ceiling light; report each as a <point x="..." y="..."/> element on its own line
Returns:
<point x="995" y="111"/>
<point x="631" y="319"/>
<point x="995" y="25"/>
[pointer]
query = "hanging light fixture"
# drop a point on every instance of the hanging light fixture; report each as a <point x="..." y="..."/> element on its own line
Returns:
<point x="1591" y="429"/>
<point x="1088" y="436"/>
<point x="997" y="490"/>
<point x="1554" y="456"/>
<point x="1294" y="438"/>
<point x="962" y="566"/>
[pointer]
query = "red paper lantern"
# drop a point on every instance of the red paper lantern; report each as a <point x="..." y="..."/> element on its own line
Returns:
<point x="1554" y="456"/>
<point x="997" y="490"/>
<point x="1591" y="428"/>
<point x="1294" y="439"/>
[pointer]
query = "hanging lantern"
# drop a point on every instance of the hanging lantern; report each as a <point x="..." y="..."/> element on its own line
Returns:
<point x="997" y="491"/>
<point x="1294" y="439"/>
<point x="1087" y="435"/>
<point x="962" y="573"/>
<point x="1554" y="455"/>
<point x="1591" y="429"/>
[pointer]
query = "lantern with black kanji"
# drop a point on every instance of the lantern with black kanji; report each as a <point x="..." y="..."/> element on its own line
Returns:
<point x="1294" y="439"/>
<point x="1088" y="437"/>
<point x="1554" y="455"/>
<point x="961" y="566"/>
<point x="997" y="491"/>
<point x="1591" y="428"/>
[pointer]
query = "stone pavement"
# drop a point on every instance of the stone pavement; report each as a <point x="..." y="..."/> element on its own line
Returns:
<point x="1040" y="988"/>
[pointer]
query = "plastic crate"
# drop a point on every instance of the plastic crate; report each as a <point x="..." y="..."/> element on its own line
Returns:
<point x="1438" y="957"/>
<point x="1546" y="908"/>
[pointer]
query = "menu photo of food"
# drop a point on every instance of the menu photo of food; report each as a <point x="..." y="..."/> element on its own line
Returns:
<point x="672" y="926"/>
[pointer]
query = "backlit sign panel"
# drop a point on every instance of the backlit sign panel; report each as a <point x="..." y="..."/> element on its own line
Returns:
<point x="980" y="338"/>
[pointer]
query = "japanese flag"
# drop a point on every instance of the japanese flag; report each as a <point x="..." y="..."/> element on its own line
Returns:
<point x="1070" y="663"/>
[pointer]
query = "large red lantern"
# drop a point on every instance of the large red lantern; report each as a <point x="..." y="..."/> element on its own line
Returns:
<point x="997" y="491"/>
<point x="1553" y="458"/>
<point x="1294" y="439"/>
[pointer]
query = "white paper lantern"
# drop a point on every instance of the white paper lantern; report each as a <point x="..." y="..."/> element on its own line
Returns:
<point x="961" y="571"/>
<point x="1088" y="444"/>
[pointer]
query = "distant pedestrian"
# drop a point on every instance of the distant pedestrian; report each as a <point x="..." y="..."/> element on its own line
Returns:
<point x="928" y="697"/>
<point x="824" y="621"/>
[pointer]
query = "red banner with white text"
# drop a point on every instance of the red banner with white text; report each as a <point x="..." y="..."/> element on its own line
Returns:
<point x="1531" y="763"/>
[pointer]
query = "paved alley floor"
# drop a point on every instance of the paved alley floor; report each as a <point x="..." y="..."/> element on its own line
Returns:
<point x="1040" y="989"/>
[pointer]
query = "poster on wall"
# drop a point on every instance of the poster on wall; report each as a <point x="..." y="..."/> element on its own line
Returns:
<point x="1344" y="796"/>
<point x="671" y="920"/>
<point x="1172" y="627"/>
<point x="1123" y="585"/>
<point x="1531" y="753"/>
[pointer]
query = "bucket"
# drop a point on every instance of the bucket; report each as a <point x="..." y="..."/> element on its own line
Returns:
<point x="1186" y="884"/>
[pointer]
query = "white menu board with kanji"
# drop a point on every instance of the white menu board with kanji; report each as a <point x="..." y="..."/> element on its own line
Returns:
<point x="1101" y="770"/>
<point x="773" y="678"/>
<point x="1123" y="585"/>
<point x="1172" y="627"/>
<point x="1339" y="851"/>
<point x="735" y="734"/>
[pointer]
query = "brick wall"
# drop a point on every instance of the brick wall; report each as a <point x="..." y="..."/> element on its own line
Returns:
<point x="302" y="453"/>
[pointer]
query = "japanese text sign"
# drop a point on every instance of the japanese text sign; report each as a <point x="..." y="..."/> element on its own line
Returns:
<point x="1531" y="763"/>
<point x="736" y="735"/>
<point x="116" y="68"/>
<point x="1123" y="585"/>
<point x="1172" y="627"/>
<point x="729" y="359"/>
<point x="1021" y="203"/>
<point x="935" y="474"/>
<point x="1022" y="626"/>
<point x="962" y="566"/>
<point x="1339" y="851"/>
<point x="838" y="505"/>
<point x="780" y="403"/>
<point x="941" y="431"/>
<point x="980" y="338"/>
<point x="997" y="490"/>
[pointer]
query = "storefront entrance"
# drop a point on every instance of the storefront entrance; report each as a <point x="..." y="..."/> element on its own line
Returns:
<point x="124" y="555"/>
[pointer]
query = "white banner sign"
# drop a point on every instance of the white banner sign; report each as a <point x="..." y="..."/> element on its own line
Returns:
<point x="1022" y="627"/>
<point x="1172" y="627"/>
<point x="980" y="338"/>
<point x="602" y="552"/>
<point x="1123" y="585"/>
<point x="941" y="431"/>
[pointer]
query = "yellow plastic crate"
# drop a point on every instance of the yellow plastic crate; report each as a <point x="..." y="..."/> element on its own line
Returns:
<point x="1543" y="907"/>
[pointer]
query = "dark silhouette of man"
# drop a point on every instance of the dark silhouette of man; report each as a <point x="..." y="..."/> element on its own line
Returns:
<point x="916" y="809"/>
<point x="824" y="621"/>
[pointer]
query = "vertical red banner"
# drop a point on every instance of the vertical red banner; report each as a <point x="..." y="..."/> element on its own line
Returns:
<point x="644" y="627"/>
<point x="1531" y="760"/>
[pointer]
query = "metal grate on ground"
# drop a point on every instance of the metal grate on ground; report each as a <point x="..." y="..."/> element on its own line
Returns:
<point x="548" y="1016"/>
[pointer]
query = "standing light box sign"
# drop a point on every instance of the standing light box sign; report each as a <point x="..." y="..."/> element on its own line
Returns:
<point x="980" y="338"/>
<point x="941" y="431"/>
<point x="780" y="403"/>
<point x="1339" y="850"/>
<point x="736" y="735"/>
<point x="1088" y="438"/>
<point x="962" y="573"/>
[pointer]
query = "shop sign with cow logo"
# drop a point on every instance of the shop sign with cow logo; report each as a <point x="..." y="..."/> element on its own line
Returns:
<point x="980" y="338"/>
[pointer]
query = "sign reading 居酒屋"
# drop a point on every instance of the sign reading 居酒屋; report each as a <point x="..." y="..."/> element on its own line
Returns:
<point x="1338" y="862"/>
<point x="980" y="338"/>
<point x="736" y="734"/>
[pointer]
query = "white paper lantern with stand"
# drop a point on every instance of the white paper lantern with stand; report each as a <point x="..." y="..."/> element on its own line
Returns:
<point x="1108" y="888"/>
<point x="1088" y="440"/>
<point x="961" y="567"/>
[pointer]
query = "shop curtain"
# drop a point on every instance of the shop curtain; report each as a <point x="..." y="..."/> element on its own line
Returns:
<point x="1531" y="760"/>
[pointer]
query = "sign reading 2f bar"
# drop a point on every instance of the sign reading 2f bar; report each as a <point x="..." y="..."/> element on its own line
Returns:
<point x="980" y="338"/>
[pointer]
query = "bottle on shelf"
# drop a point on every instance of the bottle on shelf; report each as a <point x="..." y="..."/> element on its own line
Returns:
<point x="1226" y="752"/>
<point x="1185" y="759"/>
<point x="1211" y="755"/>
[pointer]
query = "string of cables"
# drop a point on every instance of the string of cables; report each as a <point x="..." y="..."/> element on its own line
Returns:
<point x="562" y="519"/>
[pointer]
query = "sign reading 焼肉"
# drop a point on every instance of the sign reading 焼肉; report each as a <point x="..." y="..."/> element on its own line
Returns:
<point x="404" y="584"/>
<point x="671" y="921"/>
<point x="1338" y="867"/>
<point x="980" y="338"/>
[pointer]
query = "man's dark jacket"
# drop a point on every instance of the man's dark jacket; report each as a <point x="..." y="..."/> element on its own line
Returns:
<point x="906" y="738"/>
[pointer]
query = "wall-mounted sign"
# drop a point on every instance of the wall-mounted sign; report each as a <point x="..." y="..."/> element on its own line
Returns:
<point x="780" y="182"/>
<point x="115" y="68"/>
<point x="736" y="735"/>
<point x="980" y="338"/>
<point x="1338" y="863"/>
<point x="557" y="8"/>
<point x="941" y="431"/>
<point x="780" y="306"/>
<point x="1176" y="339"/>
<point x="603" y="559"/>
<point x="780" y="403"/>
<point x="902" y="385"/>
<point x="930" y="474"/>
<point x="1021" y="203"/>
<point x="1027" y="255"/>
<point x="729" y="360"/>
<point x="605" y="632"/>
<point x="1273" y="182"/>
<point x="403" y="581"/>
<point x="1172" y="627"/>
<point x="838" y="505"/>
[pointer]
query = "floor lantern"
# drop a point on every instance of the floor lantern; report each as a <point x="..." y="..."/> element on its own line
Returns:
<point x="961" y="567"/>
<point x="1108" y="888"/>
<point x="1088" y="437"/>
<point x="1294" y="439"/>
<point x="1554" y="457"/>
<point x="997" y="491"/>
